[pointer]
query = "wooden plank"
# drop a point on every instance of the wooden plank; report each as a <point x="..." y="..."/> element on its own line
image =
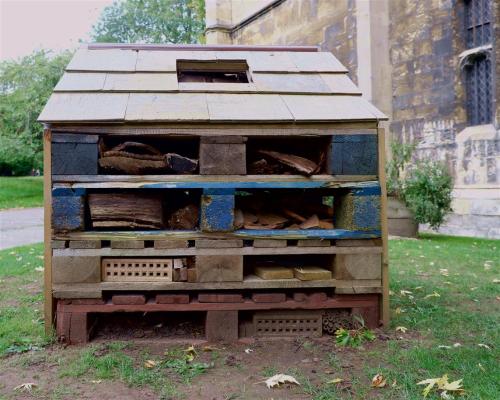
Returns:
<point x="219" y="268"/>
<point x="167" y="107"/>
<point x="76" y="269"/>
<point x="221" y="326"/>
<point x="166" y="61"/>
<point x="217" y="212"/>
<point x="308" y="273"/>
<point x="141" y="82"/>
<point x="85" y="244"/>
<point x="223" y="159"/>
<point x="247" y="107"/>
<point x="353" y="155"/>
<point x="314" y="243"/>
<point x="269" y="243"/>
<point x="78" y="81"/>
<point x="171" y="244"/>
<point x="49" y="305"/>
<point x="68" y="213"/>
<point x="357" y="266"/>
<point x="385" y="309"/>
<point x="74" y="154"/>
<point x="58" y="244"/>
<point x="178" y="250"/>
<point x="127" y="244"/>
<point x="218" y="244"/>
<point x="273" y="272"/>
<point x="330" y="108"/>
<point x="316" y="62"/>
<point x="220" y="87"/>
<point x="64" y="107"/>
<point x="290" y="83"/>
<point x="340" y="83"/>
<point x="103" y="60"/>
<point x="358" y="242"/>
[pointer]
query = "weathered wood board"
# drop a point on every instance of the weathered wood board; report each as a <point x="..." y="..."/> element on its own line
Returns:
<point x="74" y="154"/>
<point x="76" y="269"/>
<point x="219" y="268"/>
<point x="224" y="158"/>
<point x="357" y="266"/>
<point x="353" y="155"/>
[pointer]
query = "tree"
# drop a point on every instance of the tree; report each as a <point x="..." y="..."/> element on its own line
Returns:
<point x="25" y="86"/>
<point x="151" y="21"/>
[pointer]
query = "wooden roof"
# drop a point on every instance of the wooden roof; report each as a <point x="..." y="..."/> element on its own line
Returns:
<point x="128" y="83"/>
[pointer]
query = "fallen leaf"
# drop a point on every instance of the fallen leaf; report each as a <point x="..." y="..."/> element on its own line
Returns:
<point x="442" y="385"/>
<point x="435" y="294"/>
<point x="481" y="367"/>
<point x="496" y="280"/>
<point x="485" y="346"/>
<point x="209" y="348"/>
<point x="39" y="269"/>
<point x="442" y="346"/>
<point x="474" y="288"/>
<point x="248" y="351"/>
<point x="150" y="364"/>
<point x="98" y="381"/>
<point x="190" y="353"/>
<point x="25" y="387"/>
<point x="394" y="383"/>
<point x="279" y="379"/>
<point x="419" y="288"/>
<point x="401" y="329"/>
<point x="457" y="344"/>
<point x="379" y="381"/>
<point x="399" y="310"/>
<point x="391" y="293"/>
<point x="404" y="292"/>
<point x="335" y="381"/>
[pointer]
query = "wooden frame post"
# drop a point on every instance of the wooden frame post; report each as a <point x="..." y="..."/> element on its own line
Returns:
<point x="47" y="197"/>
<point x="384" y="310"/>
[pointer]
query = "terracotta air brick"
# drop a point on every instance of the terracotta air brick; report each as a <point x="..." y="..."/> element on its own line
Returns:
<point x="220" y="298"/>
<point x="269" y="297"/>
<point x="172" y="298"/>
<point x="129" y="299"/>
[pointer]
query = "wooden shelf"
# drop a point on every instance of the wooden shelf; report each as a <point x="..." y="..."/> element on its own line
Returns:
<point x="214" y="181"/>
<point x="94" y="290"/>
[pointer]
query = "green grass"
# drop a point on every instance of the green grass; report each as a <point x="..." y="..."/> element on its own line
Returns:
<point x="21" y="192"/>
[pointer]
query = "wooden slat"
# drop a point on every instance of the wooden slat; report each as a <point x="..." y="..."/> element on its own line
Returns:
<point x="247" y="107"/>
<point x="85" y="107"/>
<point x="316" y="62"/>
<point x="251" y="282"/>
<point x="47" y="218"/>
<point x="141" y="82"/>
<point x="330" y="108"/>
<point x="167" y="107"/>
<point x="340" y="83"/>
<point x="293" y="83"/>
<point x="103" y="60"/>
<point x="163" y="61"/>
<point x="191" y="251"/>
<point x="80" y="81"/>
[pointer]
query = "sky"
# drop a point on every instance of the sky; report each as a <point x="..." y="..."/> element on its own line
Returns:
<point x="27" y="25"/>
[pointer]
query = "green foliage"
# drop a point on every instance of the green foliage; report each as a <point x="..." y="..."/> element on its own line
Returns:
<point x="427" y="193"/>
<point x="25" y="86"/>
<point x="398" y="165"/>
<point x="186" y="370"/>
<point x="354" y="337"/>
<point x="151" y="21"/>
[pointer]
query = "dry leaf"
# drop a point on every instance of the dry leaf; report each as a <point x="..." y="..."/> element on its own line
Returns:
<point x="98" y="381"/>
<point x="457" y="344"/>
<point x="442" y="346"/>
<point x="404" y="292"/>
<point x="485" y="346"/>
<point x="481" y="367"/>
<point x="209" y="348"/>
<point x="441" y="385"/>
<point x="379" y="381"/>
<point x="278" y="379"/>
<point x="25" y="387"/>
<point x="335" y="381"/>
<point x="496" y="280"/>
<point x="401" y="329"/>
<point x="248" y="351"/>
<point x="39" y="269"/>
<point x="435" y="294"/>
<point x="150" y="364"/>
<point x="190" y="353"/>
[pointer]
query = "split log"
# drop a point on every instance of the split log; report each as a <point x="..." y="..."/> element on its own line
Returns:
<point x="300" y="164"/>
<point x="239" y="219"/>
<point x="294" y="215"/>
<point x="185" y="218"/>
<point x="131" y="210"/>
<point x="145" y="148"/>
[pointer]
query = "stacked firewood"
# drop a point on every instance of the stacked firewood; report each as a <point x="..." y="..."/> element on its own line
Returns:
<point x="294" y="212"/>
<point x="136" y="158"/>
<point x="273" y="162"/>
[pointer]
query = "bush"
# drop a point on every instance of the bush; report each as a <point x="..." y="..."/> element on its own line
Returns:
<point x="427" y="193"/>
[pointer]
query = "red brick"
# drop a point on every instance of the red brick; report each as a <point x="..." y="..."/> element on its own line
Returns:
<point x="269" y="297"/>
<point x="318" y="297"/>
<point x="299" y="296"/>
<point x="132" y="299"/>
<point x="87" y="302"/>
<point x="369" y="314"/>
<point x="221" y="326"/>
<point x="78" y="331"/>
<point x="172" y="298"/>
<point x="220" y="298"/>
<point x="63" y="322"/>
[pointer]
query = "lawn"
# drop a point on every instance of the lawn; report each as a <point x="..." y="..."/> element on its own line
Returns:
<point x="445" y="316"/>
<point x="21" y="192"/>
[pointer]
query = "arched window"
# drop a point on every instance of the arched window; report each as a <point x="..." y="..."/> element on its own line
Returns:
<point x="477" y="63"/>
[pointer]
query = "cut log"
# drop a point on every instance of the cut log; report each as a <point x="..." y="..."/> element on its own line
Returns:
<point x="140" y="148"/>
<point x="300" y="164"/>
<point x="180" y="164"/>
<point x="132" y="164"/>
<point x="131" y="210"/>
<point x="273" y="272"/>
<point x="311" y="222"/>
<point x="185" y="218"/>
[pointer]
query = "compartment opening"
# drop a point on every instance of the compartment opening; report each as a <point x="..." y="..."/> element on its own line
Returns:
<point x="148" y="209"/>
<point x="215" y="71"/>
<point x="284" y="209"/>
<point x="287" y="155"/>
<point x="148" y="155"/>
<point x="121" y="326"/>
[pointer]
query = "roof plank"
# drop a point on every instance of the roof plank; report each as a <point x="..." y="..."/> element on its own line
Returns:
<point x="141" y="82"/>
<point x="264" y="61"/>
<point x="330" y="108"/>
<point x="81" y="81"/>
<point x="103" y="60"/>
<point x="166" y="61"/>
<point x="247" y="107"/>
<point x="340" y="83"/>
<point x="85" y="107"/>
<point x="167" y="107"/>
<point x="316" y="62"/>
<point x="292" y="83"/>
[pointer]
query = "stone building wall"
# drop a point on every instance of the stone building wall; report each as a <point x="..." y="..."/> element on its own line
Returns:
<point x="404" y="55"/>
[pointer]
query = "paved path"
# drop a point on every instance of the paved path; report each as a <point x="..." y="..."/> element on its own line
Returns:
<point x="19" y="227"/>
